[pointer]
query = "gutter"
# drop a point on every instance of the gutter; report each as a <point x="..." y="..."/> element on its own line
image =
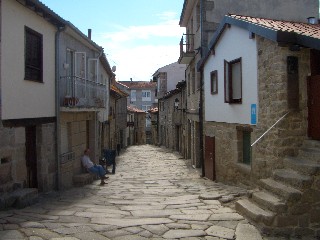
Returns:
<point x="57" y="97"/>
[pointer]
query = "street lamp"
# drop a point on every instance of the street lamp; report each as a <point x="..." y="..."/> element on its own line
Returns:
<point x="176" y="105"/>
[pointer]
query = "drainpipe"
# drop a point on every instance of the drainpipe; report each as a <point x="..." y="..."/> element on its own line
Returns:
<point x="57" y="97"/>
<point x="201" y="96"/>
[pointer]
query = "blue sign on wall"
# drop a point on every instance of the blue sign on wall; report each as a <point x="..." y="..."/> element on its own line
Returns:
<point x="253" y="113"/>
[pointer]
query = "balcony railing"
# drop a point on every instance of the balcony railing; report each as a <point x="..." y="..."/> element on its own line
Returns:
<point x="82" y="93"/>
<point x="187" y="52"/>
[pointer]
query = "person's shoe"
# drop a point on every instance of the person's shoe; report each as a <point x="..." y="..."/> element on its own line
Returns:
<point x="103" y="183"/>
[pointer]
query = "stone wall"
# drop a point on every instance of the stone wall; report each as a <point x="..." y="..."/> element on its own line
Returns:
<point x="47" y="162"/>
<point x="80" y="133"/>
<point x="287" y="136"/>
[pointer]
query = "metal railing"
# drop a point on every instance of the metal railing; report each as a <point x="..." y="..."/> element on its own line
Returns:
<point x="279" y="120"/>
<point x="187" y="44"/>
<point x="79" y="92"/>
<point x="67" y="157"/>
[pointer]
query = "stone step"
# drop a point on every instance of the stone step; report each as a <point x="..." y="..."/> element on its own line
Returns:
<point x="82" y="179"/>
<point x="279" y="189"/>
<point x="254" y="212"/>
<point x="25" y="197"/>
<point x="19" y="198"/>
<point x="269" y="201"/>
<point x="310" y="154"/>
<point x="311" y="144"/>
<point x="301" y="165"/>
<point x="292" y="178"/>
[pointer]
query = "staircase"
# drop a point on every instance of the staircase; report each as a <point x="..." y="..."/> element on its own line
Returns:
<point x="288" y="203"/>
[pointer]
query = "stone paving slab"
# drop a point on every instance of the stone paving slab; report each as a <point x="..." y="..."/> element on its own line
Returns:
<point x="153" y="195"/>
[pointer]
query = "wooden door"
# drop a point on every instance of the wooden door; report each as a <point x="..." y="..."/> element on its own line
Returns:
<point x="209" y="161"/>
<point x="31" y="156"/>
<point x="314" y="107"/>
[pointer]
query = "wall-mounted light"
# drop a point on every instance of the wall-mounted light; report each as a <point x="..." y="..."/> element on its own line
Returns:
<point x="176" y="105"/>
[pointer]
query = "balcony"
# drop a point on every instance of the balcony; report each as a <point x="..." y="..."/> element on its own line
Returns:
<point x="187" y="52"/>
<point x="76" y="92"/>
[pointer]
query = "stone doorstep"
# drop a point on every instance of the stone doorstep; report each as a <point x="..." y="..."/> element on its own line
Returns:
<point x="19" y="198"/>
<point x="82" y="179"/>
<point x="311" y="154"/>
<point x="279" y="189"/>
<point x="255" y="213"/>
<point x="292" y="178"/>
<point x="269" y="201"/>
<point x="10" y="186"/>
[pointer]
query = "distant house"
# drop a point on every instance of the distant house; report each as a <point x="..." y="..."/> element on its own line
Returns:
<point x="167" y="77"/>
<point x="141" y="94"/>
<point x="262" y="105"/>
<point x="136" y="126"/>
<point x="117" y="122"/>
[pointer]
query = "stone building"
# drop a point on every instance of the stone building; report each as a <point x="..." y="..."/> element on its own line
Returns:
<point x="262" y="119"/>
<point x="85" y="76"/>
<point x="201" y="18"/>
<point x="117" y="122"/>
<point x="153" y="115"/>
<point x="172" y="119"/>
<point x="136" y="126"/>
<point x="167" y="77"/>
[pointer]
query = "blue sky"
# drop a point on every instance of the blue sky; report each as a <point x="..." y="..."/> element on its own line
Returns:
<point x="138" y="36"/>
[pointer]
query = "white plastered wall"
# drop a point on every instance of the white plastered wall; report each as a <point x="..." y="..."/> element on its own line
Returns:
<point x="21" y="98"/>
<point x="234" y="43"/>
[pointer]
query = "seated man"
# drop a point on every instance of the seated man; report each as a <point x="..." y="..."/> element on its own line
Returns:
<point x="94" y="168"/>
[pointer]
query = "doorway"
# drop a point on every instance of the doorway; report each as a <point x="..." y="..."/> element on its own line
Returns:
<point x="314" y="107"/>
<point x="31" y="156"/>
<point x="209" y="161"/>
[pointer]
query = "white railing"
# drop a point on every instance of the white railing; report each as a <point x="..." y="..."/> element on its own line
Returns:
<point x="79" y="92"/>
<point x="279" y="120"/>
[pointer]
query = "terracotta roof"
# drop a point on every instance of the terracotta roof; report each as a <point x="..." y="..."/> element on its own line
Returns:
<point x="118" y="92"/>
<point x="153" y="110"/>
<point x="139" y="84"/>
<point x="284" y="32"/>
<point x="307" y="29"/>
<point x="135" y="110"/>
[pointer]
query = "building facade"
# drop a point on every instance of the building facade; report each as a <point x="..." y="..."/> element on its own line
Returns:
<point x="201" y="18"/>
<point x="28" y="159"/>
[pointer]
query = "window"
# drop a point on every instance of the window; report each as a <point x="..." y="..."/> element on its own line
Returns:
<point x="233" y="81"/>
<point x="146" y="107"/>
<point x="133" y="96"/>
<point x="244" y="144"/>
<point x="33" y="55"/>
<point x="198" y="15"/>
<point x="146" y="95"/>
<point x="214" y="82"/>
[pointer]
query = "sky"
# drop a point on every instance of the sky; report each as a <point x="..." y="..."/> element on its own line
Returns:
<point x="138" y="36"/>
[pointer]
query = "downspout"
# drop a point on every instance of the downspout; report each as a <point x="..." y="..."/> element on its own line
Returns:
<point x="201" y="95"/>
<point x="57" y="97"/>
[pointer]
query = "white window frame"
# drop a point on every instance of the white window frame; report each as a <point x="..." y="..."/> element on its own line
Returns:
<point x="146" y="95"/>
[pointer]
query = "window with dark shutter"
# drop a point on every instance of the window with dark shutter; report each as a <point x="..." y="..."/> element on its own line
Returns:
<point x="33" y="55"/>
<point x="233" y="81"/>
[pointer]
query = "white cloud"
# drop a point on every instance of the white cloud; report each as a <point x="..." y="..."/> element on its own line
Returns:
<point x="138" y="51"/>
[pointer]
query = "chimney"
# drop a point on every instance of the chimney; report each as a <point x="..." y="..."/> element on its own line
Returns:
<point x="89" y="33"/>
<point x="312" y="20"/>
<point x="131" y="79"/>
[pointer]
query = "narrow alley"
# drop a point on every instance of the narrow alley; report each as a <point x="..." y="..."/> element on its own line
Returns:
<point x="153" y="195"/>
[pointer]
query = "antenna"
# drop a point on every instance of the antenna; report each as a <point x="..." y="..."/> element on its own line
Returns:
<point x="114" y="68"/>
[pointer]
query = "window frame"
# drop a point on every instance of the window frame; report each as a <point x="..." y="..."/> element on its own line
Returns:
<point x="228" y="81"/>
<point x="144" y="95"/>
<point x="28" y="65"/>
<point x="214" y="84"/>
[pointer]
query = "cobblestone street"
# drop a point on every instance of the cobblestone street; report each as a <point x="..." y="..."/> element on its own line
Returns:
<point x="153" y="195"/>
